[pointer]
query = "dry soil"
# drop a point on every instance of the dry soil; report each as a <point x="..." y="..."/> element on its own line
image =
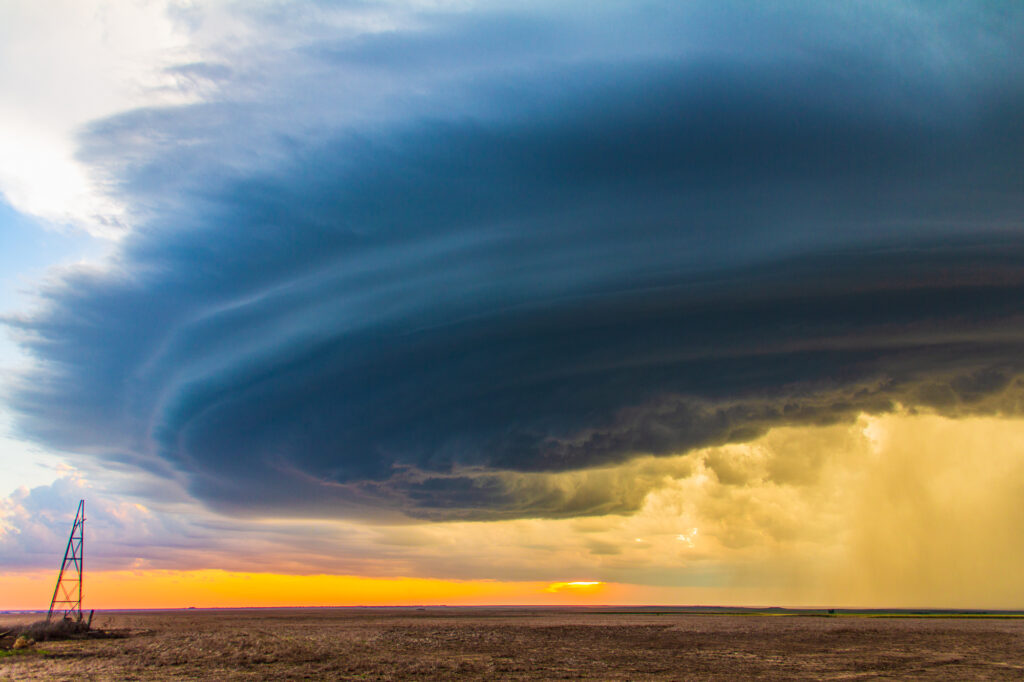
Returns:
<point x="522" y="644"/>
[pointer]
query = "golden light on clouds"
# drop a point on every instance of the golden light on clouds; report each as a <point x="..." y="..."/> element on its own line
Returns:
<point x="898" y="510"/>
<point x="901" y="510"/>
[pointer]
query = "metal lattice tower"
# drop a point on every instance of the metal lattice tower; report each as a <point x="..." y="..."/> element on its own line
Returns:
<point x="67" y="595"/>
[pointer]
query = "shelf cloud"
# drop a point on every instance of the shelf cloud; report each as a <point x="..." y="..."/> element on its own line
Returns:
<point x="452" y="269"/>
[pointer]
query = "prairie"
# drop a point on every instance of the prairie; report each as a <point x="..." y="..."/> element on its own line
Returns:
<point x="523" y="644"/>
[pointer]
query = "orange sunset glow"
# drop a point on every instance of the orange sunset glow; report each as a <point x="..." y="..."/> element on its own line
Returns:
<point x="223" y="589"/>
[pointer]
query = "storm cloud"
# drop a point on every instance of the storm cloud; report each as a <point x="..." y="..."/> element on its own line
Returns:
<point x="411" y="272"/>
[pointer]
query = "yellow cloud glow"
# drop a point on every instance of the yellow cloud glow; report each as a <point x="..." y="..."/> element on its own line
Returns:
<point x="900" y="510"/>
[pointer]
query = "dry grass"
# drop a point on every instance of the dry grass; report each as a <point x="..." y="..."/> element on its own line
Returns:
<point x="525" y="644"/>
<point x="42" y="631"/>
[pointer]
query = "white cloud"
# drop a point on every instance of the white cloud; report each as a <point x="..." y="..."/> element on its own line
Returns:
<point x="22" y="463"/>
<point x="67" y="63"/>
<point x="64" y="63"/>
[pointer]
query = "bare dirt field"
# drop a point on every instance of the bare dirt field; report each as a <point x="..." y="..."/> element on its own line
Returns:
<point x="522" y="644"/>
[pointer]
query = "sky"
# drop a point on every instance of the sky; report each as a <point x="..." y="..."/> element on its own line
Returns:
<point x="464" y="302"/>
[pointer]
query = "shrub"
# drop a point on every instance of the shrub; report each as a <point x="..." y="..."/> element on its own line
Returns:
<point x="42" y="631"/>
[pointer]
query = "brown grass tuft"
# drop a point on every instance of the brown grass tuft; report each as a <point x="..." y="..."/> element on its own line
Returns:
<point x="23" y="642"/>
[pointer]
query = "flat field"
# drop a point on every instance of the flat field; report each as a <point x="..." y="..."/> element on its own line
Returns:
<point x="522" y="644"/>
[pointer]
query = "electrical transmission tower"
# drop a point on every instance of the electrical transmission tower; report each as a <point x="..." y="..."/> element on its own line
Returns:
<point x="67" y="595"/>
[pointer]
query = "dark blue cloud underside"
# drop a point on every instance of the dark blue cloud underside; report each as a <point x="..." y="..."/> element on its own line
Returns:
<point x="492" y="394"/>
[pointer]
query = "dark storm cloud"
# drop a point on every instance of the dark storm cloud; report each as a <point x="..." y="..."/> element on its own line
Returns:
<point x="554" y="263"/>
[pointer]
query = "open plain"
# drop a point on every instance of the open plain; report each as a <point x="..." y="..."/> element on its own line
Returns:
<point x="523" y="643"/>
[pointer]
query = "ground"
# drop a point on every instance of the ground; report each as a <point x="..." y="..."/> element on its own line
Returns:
<point x="522" y="644"/>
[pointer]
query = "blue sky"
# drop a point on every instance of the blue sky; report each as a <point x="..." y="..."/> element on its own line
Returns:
<point x="402" y="265"/>
<point x="29" y="249"/>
